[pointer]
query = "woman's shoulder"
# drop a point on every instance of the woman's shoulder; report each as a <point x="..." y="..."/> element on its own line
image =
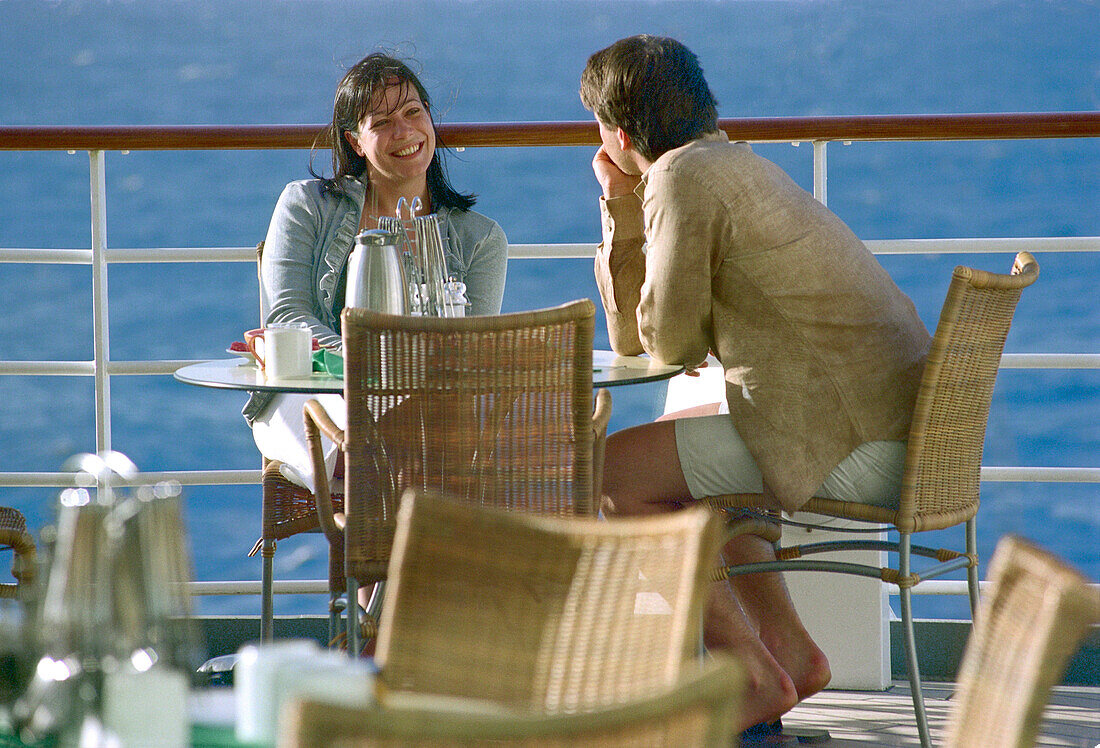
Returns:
<point x="313" y="193"/>
<point x="302" y="192"/>
<point x="307" y="188"/>
<point x="472" y="222"/>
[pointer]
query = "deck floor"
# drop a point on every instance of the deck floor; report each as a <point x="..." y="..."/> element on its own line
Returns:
<point x="860" y="718"/>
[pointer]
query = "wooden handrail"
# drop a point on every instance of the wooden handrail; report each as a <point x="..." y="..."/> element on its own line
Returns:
<point x="496" y="134"/>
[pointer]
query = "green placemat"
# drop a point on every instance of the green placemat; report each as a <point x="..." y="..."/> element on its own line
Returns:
<point x="209" y="736"/>
<point x="328" y="362"/>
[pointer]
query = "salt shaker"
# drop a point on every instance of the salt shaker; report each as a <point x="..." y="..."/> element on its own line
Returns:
<point x="454" y="295"/>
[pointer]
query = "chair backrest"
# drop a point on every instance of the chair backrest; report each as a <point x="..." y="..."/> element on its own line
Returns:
<point x="493" y="410"/>
<point x="1030" y="625"/>
<point x="697" y="712"/>
<point x="545" y="613"/>
<point x="940" y="484"/>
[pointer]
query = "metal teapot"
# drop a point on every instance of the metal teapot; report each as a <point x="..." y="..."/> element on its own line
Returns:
<point x="376" y="274"/>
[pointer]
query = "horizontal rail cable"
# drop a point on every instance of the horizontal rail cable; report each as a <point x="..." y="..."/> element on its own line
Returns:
<point x="975" y="245"/>
<point x="247" y="587"/>
<point x="151" y="367"/>
<point x="320" y="586"/>
<point x="991" y="474"/>
<point x="183" y="477"/>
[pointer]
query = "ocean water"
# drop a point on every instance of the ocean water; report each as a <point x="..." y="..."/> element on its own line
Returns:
<point x="68" y="62"/>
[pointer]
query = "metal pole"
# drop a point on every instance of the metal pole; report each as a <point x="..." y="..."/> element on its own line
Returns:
<point x="821" y="172"/>
<point x="101" y="344"/>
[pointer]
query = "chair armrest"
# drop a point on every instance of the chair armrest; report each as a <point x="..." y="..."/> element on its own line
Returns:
<point x="317" y="421"/>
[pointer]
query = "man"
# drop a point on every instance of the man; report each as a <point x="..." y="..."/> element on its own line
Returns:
<point x="708" y="247"/>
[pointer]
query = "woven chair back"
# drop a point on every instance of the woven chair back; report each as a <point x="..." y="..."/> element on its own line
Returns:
<point x="1030" y="625"/>
<point x="494" y="410"/>
<point x="543" y="613"/>
<point x="940" y="484"/>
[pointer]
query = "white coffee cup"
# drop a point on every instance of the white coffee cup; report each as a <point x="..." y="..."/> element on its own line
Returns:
<point x="267" y="677"/>
<point x="287" y="350"/>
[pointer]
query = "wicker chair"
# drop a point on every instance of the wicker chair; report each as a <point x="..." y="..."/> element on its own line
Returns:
<point x="542" y="613"/>
<point x="943" y="463"/>
<point x="696" y="712"/>
<point x="14" y="535"/>
<point x="495" y="410"/>
<point x="1038" y="613"/>
<point x="287" y="509"/>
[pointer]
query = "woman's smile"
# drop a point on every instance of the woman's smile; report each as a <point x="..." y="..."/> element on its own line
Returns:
<point x="409" y="150"/>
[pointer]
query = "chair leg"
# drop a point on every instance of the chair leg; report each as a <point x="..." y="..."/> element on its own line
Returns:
<point x="267" y="593"/>
<point x="972" y="572"/>
<point x="334" y="609"/>
<point x="374" y="605"/>
<point x="354" y="645"/>
<point x="906" y="597"/>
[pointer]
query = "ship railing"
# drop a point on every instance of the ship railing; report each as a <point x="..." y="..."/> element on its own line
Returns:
<point x="819" y="132"/>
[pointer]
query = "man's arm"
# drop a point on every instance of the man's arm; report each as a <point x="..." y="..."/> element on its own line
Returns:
<point x="684" y="231"/>
<point x="620" y="262"/>
<point x="620" y="270"/>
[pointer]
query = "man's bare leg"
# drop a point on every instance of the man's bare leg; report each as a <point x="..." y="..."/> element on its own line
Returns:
<point x="768" y="604"/>
<point x="642" y="476"/>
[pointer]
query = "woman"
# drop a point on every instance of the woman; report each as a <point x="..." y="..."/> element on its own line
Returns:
<point x="384" y="148"/>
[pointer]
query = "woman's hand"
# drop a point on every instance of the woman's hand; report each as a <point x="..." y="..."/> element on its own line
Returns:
<point x="613" y="181"/>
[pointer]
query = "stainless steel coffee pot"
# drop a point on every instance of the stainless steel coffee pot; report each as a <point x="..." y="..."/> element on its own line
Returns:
<point x="376" y="274"/>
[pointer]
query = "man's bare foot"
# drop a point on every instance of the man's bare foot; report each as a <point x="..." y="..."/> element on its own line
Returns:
<point x="804" y="662"/>
<point x="769" y="690"/>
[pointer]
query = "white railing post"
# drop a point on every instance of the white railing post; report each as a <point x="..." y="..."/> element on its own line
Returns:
<point x="821" y="172"/>
<point x="101" y="338"/>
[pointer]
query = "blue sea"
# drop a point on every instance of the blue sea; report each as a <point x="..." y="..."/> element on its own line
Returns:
<point x="70" y="62"/>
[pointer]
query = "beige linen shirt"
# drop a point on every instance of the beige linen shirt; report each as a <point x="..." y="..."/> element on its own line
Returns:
<point x="719" y="250"/>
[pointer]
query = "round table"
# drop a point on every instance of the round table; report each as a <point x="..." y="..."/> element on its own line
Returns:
<point x="608" y="370"/>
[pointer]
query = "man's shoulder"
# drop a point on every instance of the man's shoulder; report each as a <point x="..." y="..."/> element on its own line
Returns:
<point x="705" y="160"/>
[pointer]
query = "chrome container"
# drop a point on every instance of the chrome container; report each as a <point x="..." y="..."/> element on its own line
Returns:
<point x="376" y="274"/>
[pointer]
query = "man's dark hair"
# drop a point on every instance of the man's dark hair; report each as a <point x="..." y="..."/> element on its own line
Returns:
<point x="653" y="88"/>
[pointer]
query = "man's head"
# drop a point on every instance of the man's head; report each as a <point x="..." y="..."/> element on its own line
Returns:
<point x="653" y="88"/>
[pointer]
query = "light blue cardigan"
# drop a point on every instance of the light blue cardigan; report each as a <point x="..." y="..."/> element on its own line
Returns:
<point x="311" y="236"/>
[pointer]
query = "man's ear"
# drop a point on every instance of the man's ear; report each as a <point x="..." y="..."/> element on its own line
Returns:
<point x="625" y="143"/>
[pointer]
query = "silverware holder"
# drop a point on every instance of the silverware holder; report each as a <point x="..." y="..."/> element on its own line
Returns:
<point x="424" y="259"/>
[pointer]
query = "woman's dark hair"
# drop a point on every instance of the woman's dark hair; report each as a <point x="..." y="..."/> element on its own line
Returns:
<point x="367" y="78"/>
<point x="653" y="88"/>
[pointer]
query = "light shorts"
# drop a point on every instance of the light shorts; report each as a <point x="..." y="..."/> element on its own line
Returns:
<point x="715" y="461"/>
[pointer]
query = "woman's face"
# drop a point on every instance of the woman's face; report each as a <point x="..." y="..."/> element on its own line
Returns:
<point x="397" y="138"/>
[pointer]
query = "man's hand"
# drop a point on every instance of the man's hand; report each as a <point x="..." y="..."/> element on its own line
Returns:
<point x="613" y="181"/>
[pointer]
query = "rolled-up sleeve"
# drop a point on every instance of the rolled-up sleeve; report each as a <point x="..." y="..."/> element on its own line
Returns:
<point x="620" y="270"/>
